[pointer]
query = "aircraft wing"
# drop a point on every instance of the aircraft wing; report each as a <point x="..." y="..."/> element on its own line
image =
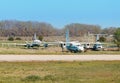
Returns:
<point x="21" y="44"/>
<point x="46" y="44"/>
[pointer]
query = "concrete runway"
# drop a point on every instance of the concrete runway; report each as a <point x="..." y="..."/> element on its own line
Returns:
<point x="22" y="58"/>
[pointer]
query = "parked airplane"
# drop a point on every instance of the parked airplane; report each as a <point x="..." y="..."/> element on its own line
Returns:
<point x="94" y="45"/>
<point x="73" y="46"/>
<point x="38" y="43"/>
<point x="98" y="46"/>
<point x="35" y="43"/>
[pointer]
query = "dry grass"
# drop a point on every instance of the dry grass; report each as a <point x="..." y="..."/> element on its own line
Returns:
<point x="55" y="38"/>
<point x="17" y="50"/>
<point x="60" y="72"/>
<point x="50" y="51"/>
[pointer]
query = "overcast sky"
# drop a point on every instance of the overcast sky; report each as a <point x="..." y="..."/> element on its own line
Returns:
<point x="105" y="13"/>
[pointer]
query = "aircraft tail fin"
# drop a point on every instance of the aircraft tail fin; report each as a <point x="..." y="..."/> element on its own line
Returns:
<point x="34" y="37"/>
<point x="97" y="37"/>
<point x="67" y="36"/>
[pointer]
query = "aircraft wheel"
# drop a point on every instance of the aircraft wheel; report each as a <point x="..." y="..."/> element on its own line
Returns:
<point x="75" y="51"/>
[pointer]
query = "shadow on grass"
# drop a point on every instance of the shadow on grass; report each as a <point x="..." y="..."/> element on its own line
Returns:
<point x="34" y="78"/>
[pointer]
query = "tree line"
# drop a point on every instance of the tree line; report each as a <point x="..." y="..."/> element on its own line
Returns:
<point x="28" y="28"/>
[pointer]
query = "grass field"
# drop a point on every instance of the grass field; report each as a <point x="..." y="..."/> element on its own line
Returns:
<point x="49" y="51"/>
<point x="60" y="72"/>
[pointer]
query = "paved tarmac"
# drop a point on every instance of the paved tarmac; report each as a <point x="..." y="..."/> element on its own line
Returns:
<point x="22" y="58"/>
